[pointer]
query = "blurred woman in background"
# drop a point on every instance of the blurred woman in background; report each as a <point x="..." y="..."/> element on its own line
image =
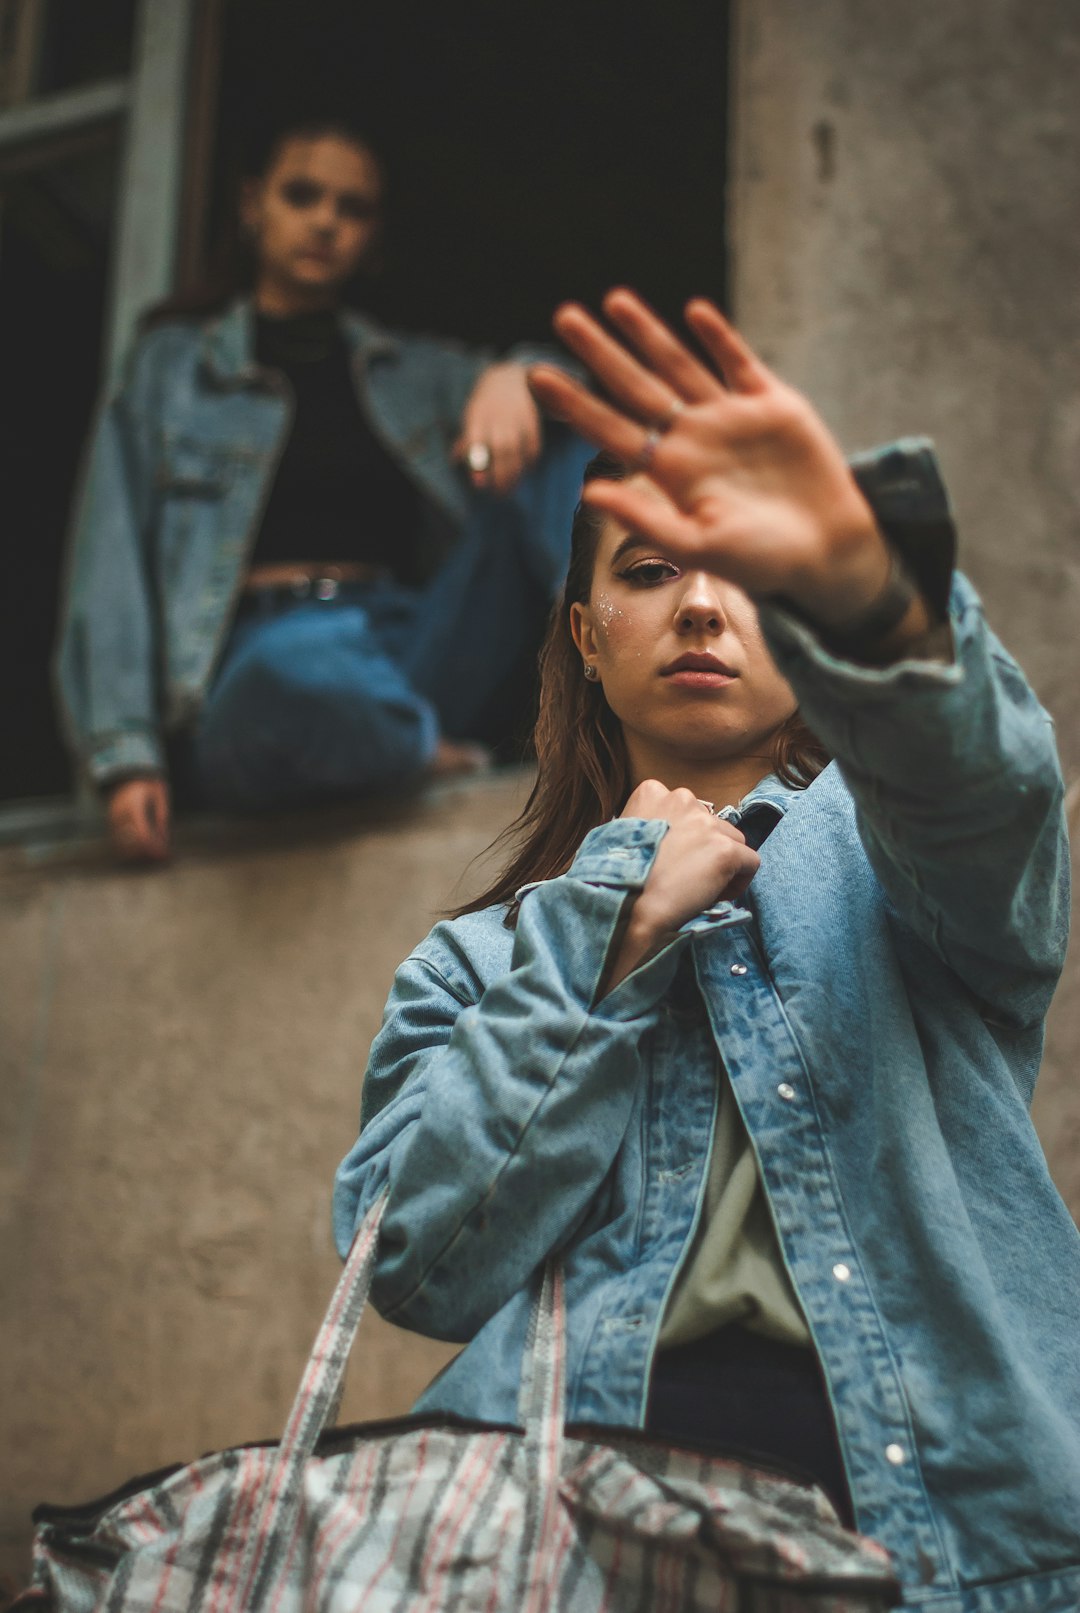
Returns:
<point x="291" y="524"/>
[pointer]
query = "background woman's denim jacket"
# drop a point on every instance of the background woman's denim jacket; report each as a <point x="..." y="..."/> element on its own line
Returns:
<point x="180" y="468"/>
<point x="878" y="1000"/>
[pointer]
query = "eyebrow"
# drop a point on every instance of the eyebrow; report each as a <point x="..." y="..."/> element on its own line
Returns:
<point x="633" y="540"/>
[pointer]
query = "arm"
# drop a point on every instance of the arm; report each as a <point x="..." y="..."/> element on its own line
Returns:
<point x="952" y="765"/>
<point x="955" y="777"/>
<point x="494" y="1116"/>
<point x="106" y="665"/>
<point x="491" y="400"/>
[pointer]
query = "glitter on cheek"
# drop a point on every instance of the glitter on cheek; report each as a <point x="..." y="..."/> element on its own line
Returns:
<point x="612" y="620"/>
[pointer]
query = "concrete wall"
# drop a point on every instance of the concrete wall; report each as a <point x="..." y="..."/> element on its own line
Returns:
<point x="182" y="1054"/>
<point x="905" y="229"/>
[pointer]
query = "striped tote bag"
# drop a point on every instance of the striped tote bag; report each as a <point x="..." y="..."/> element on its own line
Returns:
<point x="430" y="1516"/>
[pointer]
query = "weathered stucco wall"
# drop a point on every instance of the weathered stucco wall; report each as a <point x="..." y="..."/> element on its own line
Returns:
<point x="905" y="229"/>
<point x="180" y="1064"/>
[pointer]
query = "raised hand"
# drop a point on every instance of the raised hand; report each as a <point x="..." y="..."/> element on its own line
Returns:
<point x="755" y="484"/>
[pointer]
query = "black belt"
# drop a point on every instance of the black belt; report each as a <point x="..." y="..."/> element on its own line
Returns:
<point x="261" y="595"/>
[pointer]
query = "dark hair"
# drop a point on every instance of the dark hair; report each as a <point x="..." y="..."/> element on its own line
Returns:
<point x="583" y="771"/>
<point x="232" y="265"/>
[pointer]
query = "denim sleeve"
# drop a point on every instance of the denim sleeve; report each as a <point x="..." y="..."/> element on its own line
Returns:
<point x="494" y="1115"/>
<point x="958" y="789"/>
<point x="106" y="660"/>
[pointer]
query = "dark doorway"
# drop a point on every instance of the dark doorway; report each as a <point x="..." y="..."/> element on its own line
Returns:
<point x="58" y="209"/>
<point x="57" y="221"/>
<point x="537" y="150"/>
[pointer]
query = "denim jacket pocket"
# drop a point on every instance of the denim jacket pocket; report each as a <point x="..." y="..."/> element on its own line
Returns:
<point x="192" y="482"/>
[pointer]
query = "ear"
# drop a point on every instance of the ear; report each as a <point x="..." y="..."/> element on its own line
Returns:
<point x="583" y="631"/>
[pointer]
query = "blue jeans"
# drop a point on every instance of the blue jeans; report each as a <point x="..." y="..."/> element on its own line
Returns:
<point x="317" y="700"/>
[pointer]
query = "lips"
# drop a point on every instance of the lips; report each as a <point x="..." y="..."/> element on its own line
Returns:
<point x="700" y="662"/>
<point x="696" y="670"/>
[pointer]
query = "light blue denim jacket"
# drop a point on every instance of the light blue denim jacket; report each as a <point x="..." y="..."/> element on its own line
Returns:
<point x="179" y="471"/>
<point x="877" y="999"/>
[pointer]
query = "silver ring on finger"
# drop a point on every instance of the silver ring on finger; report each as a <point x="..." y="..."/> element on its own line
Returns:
<point x="478" y="457"/>
<point x="710" y="806"/>
<point x="675" y="409"/>
<point x="647" y="454"/>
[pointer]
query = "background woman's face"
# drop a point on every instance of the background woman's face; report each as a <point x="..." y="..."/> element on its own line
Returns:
<point x="315" y="213"/>
<point x="679" y="653"/>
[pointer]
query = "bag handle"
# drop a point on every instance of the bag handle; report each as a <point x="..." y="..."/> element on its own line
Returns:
<point x="316" y="1401"/>
<point x="323" y="1382"/>
<point x="540" y="1407"/>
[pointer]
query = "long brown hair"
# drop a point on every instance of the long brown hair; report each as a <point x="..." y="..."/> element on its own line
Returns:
<point x="583" y="771"/>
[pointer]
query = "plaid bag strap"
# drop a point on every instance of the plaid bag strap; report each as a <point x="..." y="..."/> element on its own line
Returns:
<point x="542" y="1408"/>
<point x="313" y="1410"/>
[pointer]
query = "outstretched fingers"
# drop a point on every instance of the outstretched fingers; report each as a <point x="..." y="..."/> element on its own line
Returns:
<point x="597" y="421"/>
<point x="742" y="369"/>
<point x="665" y="354"/>
<point x="628" y="381"/>
<point x="641" y="511"/>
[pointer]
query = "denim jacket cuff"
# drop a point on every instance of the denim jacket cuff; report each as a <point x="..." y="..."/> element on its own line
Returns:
<point x="620" y="853"/>
<point x="128" y="752"/>
<point x="815" y="670"/>
<point x="644" y="987"/>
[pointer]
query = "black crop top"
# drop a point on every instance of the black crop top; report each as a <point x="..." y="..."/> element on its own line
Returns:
<point x="337" y="494"/>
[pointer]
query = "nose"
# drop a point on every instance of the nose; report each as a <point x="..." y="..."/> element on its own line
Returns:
<point x="326" y="216"/>
<point x="700" y="608"/>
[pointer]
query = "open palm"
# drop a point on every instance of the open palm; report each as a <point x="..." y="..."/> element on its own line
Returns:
<point x="756" y="486"/>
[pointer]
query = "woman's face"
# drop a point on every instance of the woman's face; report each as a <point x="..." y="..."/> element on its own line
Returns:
<point x="314" y="215"/>
<point x="679" y="654"/>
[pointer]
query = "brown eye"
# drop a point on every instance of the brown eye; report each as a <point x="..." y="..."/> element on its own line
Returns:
<point x="301" y="193"/>
<point x="361" y="209"/>
<point x="647" y="573"/>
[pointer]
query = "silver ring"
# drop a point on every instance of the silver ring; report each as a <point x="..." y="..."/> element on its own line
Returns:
<point x="478" y="457"/>
<point x="675" y="410"/>
<point x="648" y="448"/>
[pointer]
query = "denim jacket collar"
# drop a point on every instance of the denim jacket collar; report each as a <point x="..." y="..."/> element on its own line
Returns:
<point x="228" y="345"/>
<point x="765" y="805"/>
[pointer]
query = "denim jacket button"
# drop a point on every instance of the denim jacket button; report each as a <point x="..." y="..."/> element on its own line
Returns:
<point x="786" y="1091"/>
<point x="841" y="1272"/>
<point x="896" y="1455"/>
<point x="738" y="968"/>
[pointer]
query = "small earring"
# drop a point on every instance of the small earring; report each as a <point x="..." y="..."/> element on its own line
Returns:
<point x="590" y="672"/>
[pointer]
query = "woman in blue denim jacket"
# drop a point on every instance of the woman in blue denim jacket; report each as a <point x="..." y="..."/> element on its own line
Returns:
<point x="747" y="1040"/>
<point x="291" y="522"/>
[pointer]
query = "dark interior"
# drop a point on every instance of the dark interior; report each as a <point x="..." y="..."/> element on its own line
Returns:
<point x="534" y="151"/>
